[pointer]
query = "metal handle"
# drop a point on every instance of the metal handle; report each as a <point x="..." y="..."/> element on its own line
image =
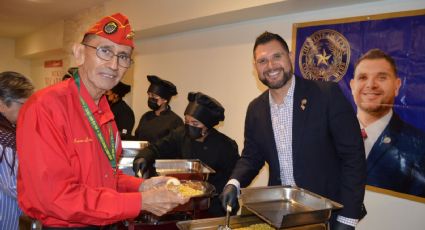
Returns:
<point x="228" y="211"/>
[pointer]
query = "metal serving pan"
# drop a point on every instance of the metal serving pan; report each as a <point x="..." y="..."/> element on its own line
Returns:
<point x="235" y="223"/>
<point x="183" y="169"/>
<point x="130" y="150"/>
<point x="286" y="206"/>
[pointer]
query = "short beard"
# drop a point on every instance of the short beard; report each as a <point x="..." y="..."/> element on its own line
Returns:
<point x="287" y="75"/>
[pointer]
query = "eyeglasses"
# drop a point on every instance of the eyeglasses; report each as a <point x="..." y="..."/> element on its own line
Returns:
<point x="106" y="54"/>
<point x="274" y="58"/>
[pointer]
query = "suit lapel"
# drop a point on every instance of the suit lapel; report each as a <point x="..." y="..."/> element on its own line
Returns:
<point x="300" y="111"/>
<point x="383" y="143"/>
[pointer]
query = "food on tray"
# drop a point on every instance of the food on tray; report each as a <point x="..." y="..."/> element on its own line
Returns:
<point x="187" y="188"/>
<point x="256" y="227"/>
<point x="173" y="181"/>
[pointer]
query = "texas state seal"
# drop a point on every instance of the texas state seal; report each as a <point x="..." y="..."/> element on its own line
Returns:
<point x="325" y="55"/>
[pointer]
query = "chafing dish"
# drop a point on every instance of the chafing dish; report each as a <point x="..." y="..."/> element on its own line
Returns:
<point x="282" y="207"/>
<point x="286" y="206"/>
<point x="130" y="150"/>
<point x="183" y="169"/>
<point x="235" y="223"/>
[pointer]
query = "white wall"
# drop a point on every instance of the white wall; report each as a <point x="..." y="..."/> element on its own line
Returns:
<point x="8" y="61"/>
<point x="218" y="62"/>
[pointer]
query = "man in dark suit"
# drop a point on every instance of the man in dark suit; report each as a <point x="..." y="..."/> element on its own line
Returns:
<point x="306" y="131"/>
<point x="395" y="150"/>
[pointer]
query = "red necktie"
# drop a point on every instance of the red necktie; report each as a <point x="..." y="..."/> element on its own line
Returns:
<point x="364" y="134"/>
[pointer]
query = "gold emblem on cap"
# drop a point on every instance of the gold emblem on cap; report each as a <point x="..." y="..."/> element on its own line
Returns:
<point x="110" y="27"/>
<point x="130" y="35"/>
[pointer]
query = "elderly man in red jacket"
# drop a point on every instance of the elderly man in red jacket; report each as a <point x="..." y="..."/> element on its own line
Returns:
<point x="68" y="143"/>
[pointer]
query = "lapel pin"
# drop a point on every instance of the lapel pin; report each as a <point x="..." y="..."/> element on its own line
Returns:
<point x="387" y="140"/>
<point x="303" y="103"/>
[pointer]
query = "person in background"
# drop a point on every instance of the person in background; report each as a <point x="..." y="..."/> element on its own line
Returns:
<point x="14" y="91"/>
<point x="395" y="150"/>
<point x="69" y="73"/>
<point x="155" y="124"/>
<point x="68" y="143"/>
<point x="198" y="139"/>
<point x="306" y="131"/>
<point x="123" y="114"/>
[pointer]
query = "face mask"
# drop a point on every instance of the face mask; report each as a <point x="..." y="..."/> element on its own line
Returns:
<point x="193" y="132"/>
<point x="152" y="103"/>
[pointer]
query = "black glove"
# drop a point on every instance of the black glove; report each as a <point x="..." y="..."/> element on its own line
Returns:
<point x="229" y="196"/>
<point x="341" y="226"/>
<point x="142" y="165"/>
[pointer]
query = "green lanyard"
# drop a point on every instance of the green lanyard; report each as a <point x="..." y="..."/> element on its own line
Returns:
<point x="109" y="151"/>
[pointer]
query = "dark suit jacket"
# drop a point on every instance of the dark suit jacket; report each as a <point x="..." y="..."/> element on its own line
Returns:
<point x="328" y="151"/>
<point x="397" y="159"/>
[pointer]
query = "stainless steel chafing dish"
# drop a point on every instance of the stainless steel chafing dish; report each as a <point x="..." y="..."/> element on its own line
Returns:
<point x="281" y="207"/>
<point x="183" y="169"/>
<point x="130" y="150"/>
<point x="235" y="223"/>
<point x="285" y="206"/>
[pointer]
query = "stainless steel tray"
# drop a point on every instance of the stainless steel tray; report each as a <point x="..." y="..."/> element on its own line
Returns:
<point x="131" y="148"/>
<point x="184" y="169"/>
<point x="235" y="223"/>
<point x="285" y="206"/>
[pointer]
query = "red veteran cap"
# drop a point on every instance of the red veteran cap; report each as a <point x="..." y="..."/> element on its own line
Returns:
<point x="115" y="28"/>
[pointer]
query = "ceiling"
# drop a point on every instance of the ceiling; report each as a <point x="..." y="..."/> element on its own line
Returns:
<point x="21" y="17"/>
<point x="18" y="18"/>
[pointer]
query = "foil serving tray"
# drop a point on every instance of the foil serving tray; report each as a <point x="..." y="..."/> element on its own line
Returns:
<point x="286" y="206"/>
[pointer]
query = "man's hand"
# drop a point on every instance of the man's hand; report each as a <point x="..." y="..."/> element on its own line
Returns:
<point x="341" y="226"/>
<point x="142" y="165"/>
<point x="160" y="200"/>
<point x="153" y="182"/>
<point x="229" y="196"/>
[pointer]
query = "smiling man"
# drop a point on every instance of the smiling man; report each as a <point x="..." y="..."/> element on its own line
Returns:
<point x="395" y="150"/>
<point x="68" y="143"/>
<point x="306" y="131"/>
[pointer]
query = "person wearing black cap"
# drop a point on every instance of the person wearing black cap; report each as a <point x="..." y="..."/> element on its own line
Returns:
<point x="198" y="139"/>
<point x="161" y="120"/>
<point x="124" y="115"/>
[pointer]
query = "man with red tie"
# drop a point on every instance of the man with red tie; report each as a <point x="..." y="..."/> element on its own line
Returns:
<point x="395" y="150"/>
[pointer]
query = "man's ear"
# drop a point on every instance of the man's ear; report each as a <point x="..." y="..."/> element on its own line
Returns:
<point x="397" y="85"/>
<point x="78" y="51"/>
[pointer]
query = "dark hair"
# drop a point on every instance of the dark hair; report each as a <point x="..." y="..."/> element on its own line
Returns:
<point x="377" y="54"/>
<point x="267" y="37"/>
<point x="87" y="38"/>
<point x="14" y="86"/>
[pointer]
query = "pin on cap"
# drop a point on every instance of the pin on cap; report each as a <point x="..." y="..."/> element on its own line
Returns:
<point x="116" y="28"/>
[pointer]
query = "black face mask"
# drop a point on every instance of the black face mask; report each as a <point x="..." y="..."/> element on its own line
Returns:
<point x="193" y="132"/>
<point x="152" y="103"/>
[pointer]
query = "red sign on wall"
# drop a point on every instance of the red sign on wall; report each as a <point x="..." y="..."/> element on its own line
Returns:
<point x="53" y="63"/>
